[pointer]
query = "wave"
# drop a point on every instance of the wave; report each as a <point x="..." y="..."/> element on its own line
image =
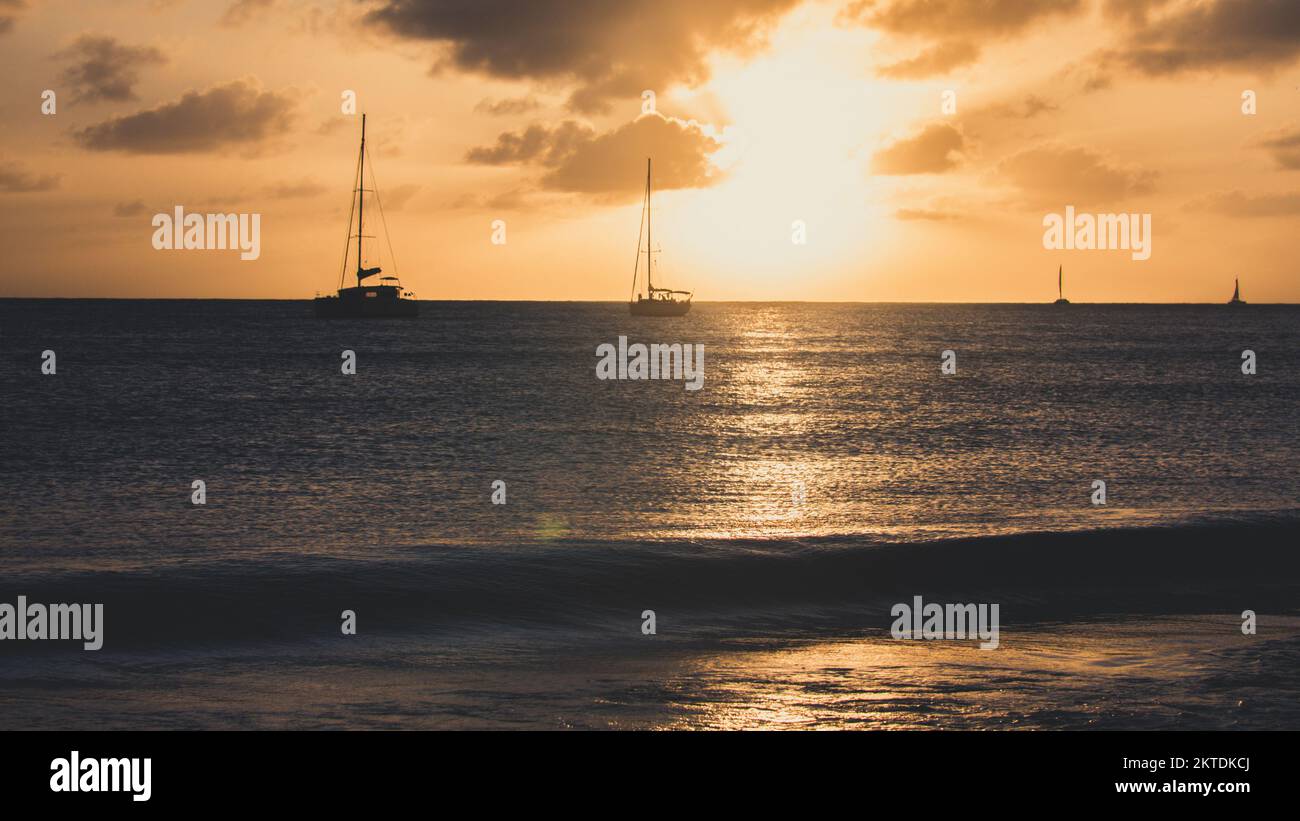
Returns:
<point x="723" y="587"/>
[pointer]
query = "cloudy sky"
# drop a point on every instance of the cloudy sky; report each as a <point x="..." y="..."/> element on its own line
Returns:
<point x="769" y="114"/>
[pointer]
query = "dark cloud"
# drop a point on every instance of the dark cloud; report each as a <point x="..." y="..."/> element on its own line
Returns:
<point x="130" y="209"/>
<point x="507" y="107"/>
<point x="1214" y="34"/>
<point x="951" y="26"/>
<point x="241" y="11"/>
<point x="1284" y="145"/>
<point x="548" y="146"/>
<point x="1030" y="107"/>
<point x="938" y="59"/>
<point x="944" y="19"/>
<point x="935" y="149"/>
<point x="105" y="69"/>
<point x="16" y="179"/>
<point x="608" y="49"/>
<point x="1060" y="175"/>
<point x="576" y="158"/>
<point x="9" y="14"/>
<point x="1239" y="204"/>
<point x="236" y="114"/>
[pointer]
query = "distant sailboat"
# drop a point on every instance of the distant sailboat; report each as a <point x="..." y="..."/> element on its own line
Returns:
<point x="1236" y="293"/>
<point x="656" y="301"/>
<point x="387" y="299"/>
<point x="1060" y="287"/>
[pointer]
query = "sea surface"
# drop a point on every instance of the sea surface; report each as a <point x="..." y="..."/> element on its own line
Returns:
<point x="826" y="470"/>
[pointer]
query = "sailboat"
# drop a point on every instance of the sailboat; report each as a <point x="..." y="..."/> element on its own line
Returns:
<point x="1236" y="293"/>
<point x="656" y="301"/>
<point x="387" y="298"/>
<point x="1060" y="287"/>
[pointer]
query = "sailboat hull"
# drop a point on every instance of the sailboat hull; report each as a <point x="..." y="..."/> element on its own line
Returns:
<point x="659" y="307"/>
<point x="378" y="302"/>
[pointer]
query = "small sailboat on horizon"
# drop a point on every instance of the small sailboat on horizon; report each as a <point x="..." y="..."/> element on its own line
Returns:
<point x="656" y="301"/>
<point x="385" y="300"/>
<point x="1236" y="293"/>
<point x="1060" y="287"/>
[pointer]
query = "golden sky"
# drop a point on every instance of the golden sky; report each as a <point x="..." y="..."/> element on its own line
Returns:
<point x="768" y="113"/>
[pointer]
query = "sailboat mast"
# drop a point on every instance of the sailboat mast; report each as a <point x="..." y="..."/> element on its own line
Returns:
<point x="1060" y="282"/>
<point x="361" y="194"/>
<point x="649" y="240"/>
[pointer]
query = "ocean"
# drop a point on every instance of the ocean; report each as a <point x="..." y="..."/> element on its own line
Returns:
<point x="826" y="470"/>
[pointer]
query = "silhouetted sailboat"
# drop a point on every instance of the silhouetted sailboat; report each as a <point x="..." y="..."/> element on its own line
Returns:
<point x="1236" y="293"/>
<point x="386" y="299"/>
<point x="657" y="301"/>
<point x="1060" y="287"/>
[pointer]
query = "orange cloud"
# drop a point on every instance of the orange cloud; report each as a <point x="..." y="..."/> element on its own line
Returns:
<point x="938" y="59"/>
<point x="934" y="150"/>
<point x="577" y="159"/>
<point x="1060" y="175"/>
<point x="16" y="179"/>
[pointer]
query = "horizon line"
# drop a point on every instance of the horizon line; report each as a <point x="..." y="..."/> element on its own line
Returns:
<point x="612" y="301"/>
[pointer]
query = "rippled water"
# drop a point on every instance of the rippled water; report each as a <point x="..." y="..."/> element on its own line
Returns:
<point x="823" y="471"/>
<point x="845" y="401"/>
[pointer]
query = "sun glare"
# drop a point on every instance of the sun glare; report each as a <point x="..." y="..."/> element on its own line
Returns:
<point x="803" y="122"/>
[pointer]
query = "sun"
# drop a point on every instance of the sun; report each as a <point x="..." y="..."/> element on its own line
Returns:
<point x="794" y="202"/>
